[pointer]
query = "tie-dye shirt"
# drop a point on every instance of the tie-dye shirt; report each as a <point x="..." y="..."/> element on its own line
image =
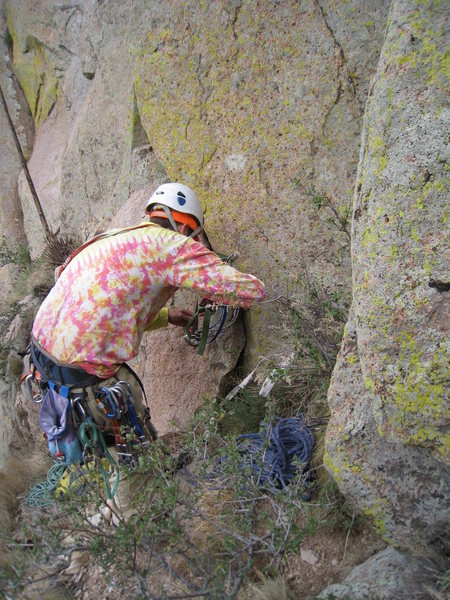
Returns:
<point x="113" y="290"/>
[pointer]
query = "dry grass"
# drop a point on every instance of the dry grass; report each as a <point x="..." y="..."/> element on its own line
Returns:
<point x="267" y="589"/>
<point x="17" y="476"/>
<point x="59" y="249"/>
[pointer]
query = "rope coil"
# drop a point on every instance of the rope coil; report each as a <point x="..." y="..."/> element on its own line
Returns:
<point x="42" y="493"/>
<point x="278" y="451"/>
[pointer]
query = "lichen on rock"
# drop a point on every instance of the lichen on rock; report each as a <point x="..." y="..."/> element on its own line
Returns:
<point x="33" y="68"/>
<point x="398" y="328"/>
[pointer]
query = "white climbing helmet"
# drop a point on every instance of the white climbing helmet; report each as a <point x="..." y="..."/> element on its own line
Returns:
<point x="176" y="202"/>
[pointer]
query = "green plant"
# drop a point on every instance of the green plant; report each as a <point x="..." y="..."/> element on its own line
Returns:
<point x="202" y="531"/>
<point x="58" y="249"/>
<point x="313" y="320"/>
<point x="339" y="217"/>
<point x="35" y="278"/>
<point x="17" y="254"/>
<point x="243" y="413"/>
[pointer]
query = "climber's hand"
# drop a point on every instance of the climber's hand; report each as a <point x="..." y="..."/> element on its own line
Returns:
<point x="180" y="316"/>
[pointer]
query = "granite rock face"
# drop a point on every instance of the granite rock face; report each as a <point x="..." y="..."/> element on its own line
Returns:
<point x="11" y="220"/>
<point x="251" y="103"/>
<point x="259" y="106"/>
<point x="388" y="441"/>
<point x="247" y="102"/>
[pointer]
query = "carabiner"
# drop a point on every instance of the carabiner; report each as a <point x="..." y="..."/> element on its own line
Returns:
<point x="29" y="387"/>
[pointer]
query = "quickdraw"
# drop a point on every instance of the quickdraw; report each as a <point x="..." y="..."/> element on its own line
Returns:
<point x="91" y="438"/>
<point x="217" y="318"/>
<point x="116" y="403"/>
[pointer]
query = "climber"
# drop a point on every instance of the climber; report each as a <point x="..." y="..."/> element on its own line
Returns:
<point x="113" y="290"/>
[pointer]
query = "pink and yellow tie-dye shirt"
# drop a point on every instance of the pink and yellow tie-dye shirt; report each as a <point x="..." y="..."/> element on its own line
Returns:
<point x="112" y="291"/>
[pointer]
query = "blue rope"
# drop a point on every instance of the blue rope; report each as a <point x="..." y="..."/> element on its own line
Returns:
<point x="42" y="494"/>
<point x="278" y="451"/>
<point x="221" y="324"/>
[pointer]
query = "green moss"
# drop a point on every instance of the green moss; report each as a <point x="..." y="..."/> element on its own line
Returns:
<point x="352" y="359"/>
<point x="34" y="72"/>
<point x="370" y="237"/>
<point x="430" y="54"/>
<point x="332" y="464"/>
<point x="369" y="384"/>
<point x="378" y="515"/>
<point x="376" y="144"/>
<point x="419" y="395"/>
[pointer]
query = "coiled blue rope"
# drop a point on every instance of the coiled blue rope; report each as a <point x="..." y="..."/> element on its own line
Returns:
<point x="278" y="451"/>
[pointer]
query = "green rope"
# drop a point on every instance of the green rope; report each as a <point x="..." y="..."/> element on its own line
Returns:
<point x="42" y="493"/>
<point x="91" y="437"/>
<point x="205" y="331"/>
<point x="193" y="324"/>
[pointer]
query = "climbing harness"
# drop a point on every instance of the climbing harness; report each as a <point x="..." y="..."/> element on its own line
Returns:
<point x="83" y="417"/>
<point x="217" y="318"/>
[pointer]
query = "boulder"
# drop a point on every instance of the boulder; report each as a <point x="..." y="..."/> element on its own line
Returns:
<point x="387" y="443"/>
<point x="388" y="574"/>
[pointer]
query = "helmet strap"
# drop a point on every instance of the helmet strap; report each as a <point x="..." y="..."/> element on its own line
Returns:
<point x="196" y="232"/>
<point x="168" y="215"/>
<point x="172" y="221"/>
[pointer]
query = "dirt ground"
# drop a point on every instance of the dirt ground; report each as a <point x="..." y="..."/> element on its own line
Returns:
<point x="327" y="558"/>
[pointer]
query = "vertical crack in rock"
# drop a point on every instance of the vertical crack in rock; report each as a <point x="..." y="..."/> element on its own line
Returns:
<point x="205" y="160"/>
<point x="342" y="63"/>
<point x="206" y="92"/>
<point x="237" y="10"/>
<point x="234" y="19"/>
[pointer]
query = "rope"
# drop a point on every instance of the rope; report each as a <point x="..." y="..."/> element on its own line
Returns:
<point x="90" y="438"/>
<point x="278" y="451"/>
<point x="41" y="494"/>
<point x="211" y="328"/>
<point x="36" y="200"/>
